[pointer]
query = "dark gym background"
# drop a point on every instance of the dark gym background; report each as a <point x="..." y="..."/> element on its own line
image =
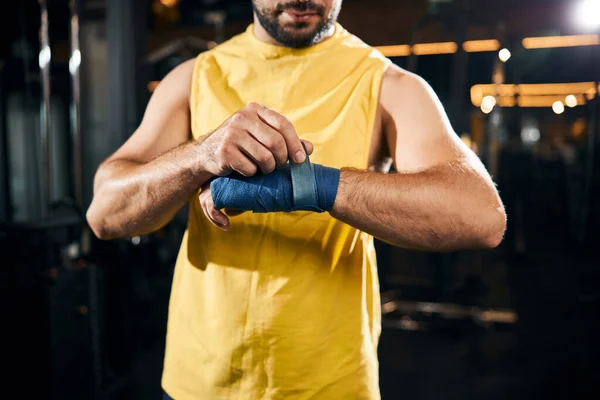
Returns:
<point x="84" y="319"/>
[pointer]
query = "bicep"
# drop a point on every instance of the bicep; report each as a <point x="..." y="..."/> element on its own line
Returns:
<point x="417" y="129"/>
<point x="166" y="122"/>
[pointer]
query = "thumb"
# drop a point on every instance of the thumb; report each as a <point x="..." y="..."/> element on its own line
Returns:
<point x="309" y="146"/>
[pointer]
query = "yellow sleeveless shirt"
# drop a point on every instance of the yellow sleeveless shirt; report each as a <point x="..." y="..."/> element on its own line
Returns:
<point x="283" y="306"/>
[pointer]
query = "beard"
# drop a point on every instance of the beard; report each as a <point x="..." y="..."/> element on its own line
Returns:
<point x="296" y="35"/>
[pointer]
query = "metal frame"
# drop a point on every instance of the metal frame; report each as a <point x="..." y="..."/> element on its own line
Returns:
<point x="125" y="28"/>
<point x="5" y="187"/>
<point x="74" y="67"/>
<point x="119" y="48"/>
<point x="45" y="127"/>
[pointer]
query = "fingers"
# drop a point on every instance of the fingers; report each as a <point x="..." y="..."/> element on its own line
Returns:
<point x="238" y="161"/>
<point x="272" y="140"/>
<point x="283" y="125"/>
<point x="215" y="216"/>
<point x="255" y="150"/>
<point x="253" y="138"/>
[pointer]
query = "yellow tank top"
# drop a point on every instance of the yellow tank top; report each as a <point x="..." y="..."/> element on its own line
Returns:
<point x="283" y="306"/>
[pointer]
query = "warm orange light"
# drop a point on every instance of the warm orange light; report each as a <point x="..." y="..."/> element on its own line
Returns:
<point x="502" y="101"/>
<point x="591" y="92"/>
<point x="561" y="41"/>
<point x="579" y="127"/>
<point x="535" y="101"/>
<point x="478" y="92"/>
<point x="556" y="88"/>
<point x="402" y="50"/>
<point x="466" y="139"/>
<point x="478" y="98"/>
<point x="579" y="101"/>
<point x="474" y="46"/>
<point x="507" y="101"/>
<point x="551" y="91"/>
<point x="476" y="95"/>
<point x="423" y="49"/>
<point x="507" y="90"/>
<point x="169" y="3"/>
<point x="152" y="85"/>
<point x="522" y="101"/>
<point x="541" y="101"/>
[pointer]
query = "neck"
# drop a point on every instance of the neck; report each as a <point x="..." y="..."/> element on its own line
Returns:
<point x="262" y="35"/>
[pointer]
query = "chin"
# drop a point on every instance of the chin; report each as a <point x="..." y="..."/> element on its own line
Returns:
<point x="300" y="31"/>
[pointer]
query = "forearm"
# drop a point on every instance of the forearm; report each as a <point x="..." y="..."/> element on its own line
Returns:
<point x="132" y="198"/>
<point x="444" y="208"/>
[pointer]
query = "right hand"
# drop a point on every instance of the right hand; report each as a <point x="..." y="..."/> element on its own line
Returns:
<point x="253" y="138"/>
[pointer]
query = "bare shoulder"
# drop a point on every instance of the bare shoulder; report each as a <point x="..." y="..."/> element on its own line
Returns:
<point x="394" y="73"/>
<point x="400" y="86"/>
<point x="177" y="82"/>
<point x="166" y="122"/>
<point x="171" y="96"/>
<point x="407" y="99"/>
<point x="415" y="124"/>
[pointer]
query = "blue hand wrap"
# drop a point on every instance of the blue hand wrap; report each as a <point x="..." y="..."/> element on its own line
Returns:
<point x="273" y="192"/>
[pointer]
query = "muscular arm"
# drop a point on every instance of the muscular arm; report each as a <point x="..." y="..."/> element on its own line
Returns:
<point x="142" y="186"/>
<point x="441" y="199"/>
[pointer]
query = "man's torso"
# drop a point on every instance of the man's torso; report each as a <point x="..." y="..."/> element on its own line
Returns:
<point x="282" y="305"/>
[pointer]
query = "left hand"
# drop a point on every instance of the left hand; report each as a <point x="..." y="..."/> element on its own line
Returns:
<point x="217" y="217"/>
